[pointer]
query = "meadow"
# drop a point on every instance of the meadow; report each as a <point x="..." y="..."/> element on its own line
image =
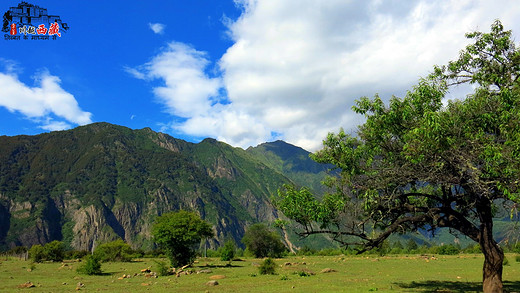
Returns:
<point x="398" y="273"/>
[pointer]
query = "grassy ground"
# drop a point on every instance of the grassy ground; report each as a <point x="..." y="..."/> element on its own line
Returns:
<point x="353" y="274"/>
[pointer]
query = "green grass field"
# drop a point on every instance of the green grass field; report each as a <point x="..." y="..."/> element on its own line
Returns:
<point x="412" y="273"/>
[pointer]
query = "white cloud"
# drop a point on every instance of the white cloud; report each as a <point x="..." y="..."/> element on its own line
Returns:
<point x="157" y="28"/>
<point x="186" y="90"/>
<point x="41" y="102"/>
<point x="297" y="66"/>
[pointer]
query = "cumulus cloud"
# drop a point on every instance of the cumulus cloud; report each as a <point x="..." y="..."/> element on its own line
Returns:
<point x="42" y="102"/>
<point x="296" y="67"/>
<point x="157" y="28"/>
<point x="186" y="89"/>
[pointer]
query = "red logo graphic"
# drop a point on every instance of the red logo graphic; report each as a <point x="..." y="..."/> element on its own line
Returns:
<point x="42" y="30"/>
<point x="13" y="29"/>
<point x="54" y="29"/>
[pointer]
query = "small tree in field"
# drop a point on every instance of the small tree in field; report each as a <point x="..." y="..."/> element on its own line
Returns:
<point x="228" y="251"/>
<point x="417" y="163"/>
<point x="91" y="266"/>
<point x="178" y="233"/>
<point x="263" y="242"/>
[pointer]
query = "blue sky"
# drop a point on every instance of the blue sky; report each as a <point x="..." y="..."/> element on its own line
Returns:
<point x="242" y="71"/>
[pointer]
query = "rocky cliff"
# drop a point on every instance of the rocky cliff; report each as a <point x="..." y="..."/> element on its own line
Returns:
<point x="102" y="182"/>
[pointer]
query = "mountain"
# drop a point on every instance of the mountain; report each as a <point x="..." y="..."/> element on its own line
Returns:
<point x="100" y="182"/>
<point x="294" y="162"/>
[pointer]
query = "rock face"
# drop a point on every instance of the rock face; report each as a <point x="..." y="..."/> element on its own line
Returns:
<point x="101" y="182"/>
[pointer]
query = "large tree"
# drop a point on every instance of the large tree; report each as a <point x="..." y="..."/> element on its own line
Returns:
<point x="418" y="163"/>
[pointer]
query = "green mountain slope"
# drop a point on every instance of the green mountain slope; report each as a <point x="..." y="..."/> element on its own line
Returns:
<point x="101" y="182"/>
<point x="292" y="161"/>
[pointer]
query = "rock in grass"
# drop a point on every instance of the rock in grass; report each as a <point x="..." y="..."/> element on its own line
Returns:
<point x="212" y="283"/>
<point x="26" y="285"/>
<point x="328" y="270"/>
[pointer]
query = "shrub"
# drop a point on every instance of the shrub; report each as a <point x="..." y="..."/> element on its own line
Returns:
<point x="37" y="253"/>
<point x="90" y="266"/>
<point x="306" y="250"/>
<point x="228" y="251"/>
<point x="517" y="258"/>
<point x="449" y="249"/>
<point x="263" y="242"/>
<point x="114" y="251"/>
<point x="268" y="267"/>
<point x="54" y="251"/>
<point x="303" y="273"/>
<point x="163" y="269"/>
<point x="17" y="250"/>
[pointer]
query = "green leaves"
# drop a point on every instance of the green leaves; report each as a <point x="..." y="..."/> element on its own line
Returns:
<point x="302" y="207"/>
<point x="417" y="162"/>
<point x="178" y="232"/>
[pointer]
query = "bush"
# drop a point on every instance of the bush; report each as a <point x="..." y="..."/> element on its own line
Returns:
<point x="306" y="250"/>
<point x="37" y="253"/>
<point x="114" y="251"/>
<point x="449" y="249"/>
<point x="163" y="269"/>
<point x="54" y="251"/>
<point x="228" y="251"/>
<point x="90" y="266"/>
<point x="263" y="242"/>
<point x="18" y="250"/>
<point x="268" y="267"/>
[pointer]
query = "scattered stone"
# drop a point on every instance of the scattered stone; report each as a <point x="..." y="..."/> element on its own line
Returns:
<point x="151" y="275"/>
<point x="146" y="270"/>
<point x="212" y="283"/>
<point x="205" y="271"/>
<point x="255" y="264"/>
<point x="145" y="284"/>
<point x="217" y="277"/>
<point x="287" y="264"/>
<point x="29" y="270"/>
<point x="79" y="286"/>
<point x="26" y="285"/>
<point x="64" y="283"/>
<point x="328" y="270"/>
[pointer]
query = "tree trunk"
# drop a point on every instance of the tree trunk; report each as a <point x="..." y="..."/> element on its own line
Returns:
<point x="493" y="254"/>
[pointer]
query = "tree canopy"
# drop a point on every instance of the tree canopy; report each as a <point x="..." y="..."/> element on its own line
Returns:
<point x="423" y="162"/>
<point x="178" y="233"/>
<point x="263" y="242"/>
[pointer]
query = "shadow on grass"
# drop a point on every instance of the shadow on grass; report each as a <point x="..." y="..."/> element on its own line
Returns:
<point x="446" y="286"/>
